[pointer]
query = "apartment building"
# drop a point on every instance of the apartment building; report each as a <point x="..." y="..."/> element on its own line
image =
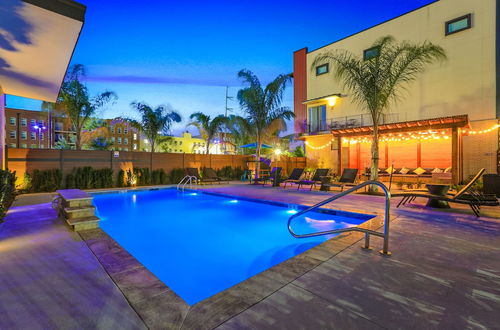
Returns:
<point x="185" y="144"/>
<point x="37" y="129"/>
<point x="457" y="102"/>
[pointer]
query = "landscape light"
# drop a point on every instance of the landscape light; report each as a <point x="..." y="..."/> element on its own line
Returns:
<point x="277" y="152"/>
<point x="332" y="101"/>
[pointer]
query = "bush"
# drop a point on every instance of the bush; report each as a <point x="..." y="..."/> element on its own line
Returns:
<point x="7" y="191"/>
<point x="103" y="178"/>
<point x="120" y="180"/>
<point x="176" y="175"/>
<point x="159" y="177"/>
<point x="230" y="172"/>
<point x="46" y="181"/>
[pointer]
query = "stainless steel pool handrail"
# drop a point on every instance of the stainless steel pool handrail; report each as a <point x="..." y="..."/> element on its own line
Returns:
<point x="368" y="232"/>
<point x="185" y="180"/>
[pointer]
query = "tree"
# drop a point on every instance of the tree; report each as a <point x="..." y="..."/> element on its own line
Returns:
<point x="265" y="115"/>
<point x="375" y="84"/>
<point x="153" y="122"/>
<point x="208" y="127"/>
<point x="100" y="143"/>
<point x="75" y="103"/>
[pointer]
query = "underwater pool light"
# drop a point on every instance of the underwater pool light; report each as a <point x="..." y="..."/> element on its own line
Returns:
<point x="292" y="211"/>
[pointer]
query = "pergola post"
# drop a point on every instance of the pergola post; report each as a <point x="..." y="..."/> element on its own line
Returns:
<point x="456" y="156"/>
<point x="339" y="154"/>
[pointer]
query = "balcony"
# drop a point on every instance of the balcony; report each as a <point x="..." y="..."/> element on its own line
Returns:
<point x="312" y="127"/>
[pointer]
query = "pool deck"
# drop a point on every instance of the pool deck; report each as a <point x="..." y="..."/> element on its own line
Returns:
<point x="444" y="273"/>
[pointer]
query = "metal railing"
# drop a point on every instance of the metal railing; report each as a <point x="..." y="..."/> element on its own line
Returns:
<point x="188" y="179"/>
<point x="367" y="232"/>
<point x="353" y="121"/>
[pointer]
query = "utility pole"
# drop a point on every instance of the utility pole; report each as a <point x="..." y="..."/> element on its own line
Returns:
<point x="226" y="111"/>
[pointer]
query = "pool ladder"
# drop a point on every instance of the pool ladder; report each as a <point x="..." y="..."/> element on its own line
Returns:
<point x="188" y="179"/>
<point x="368" y="232"/>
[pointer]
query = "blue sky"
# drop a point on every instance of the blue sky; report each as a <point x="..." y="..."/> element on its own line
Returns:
<point x="184" y="53"/>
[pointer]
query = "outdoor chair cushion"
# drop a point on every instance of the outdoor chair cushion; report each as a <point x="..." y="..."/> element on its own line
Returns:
<point x="419" y="171"/>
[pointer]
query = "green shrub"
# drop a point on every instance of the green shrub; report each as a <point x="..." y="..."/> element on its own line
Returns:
<point x="7" y="191"/>
<point x="103" y="178"/>
<point x="159" y="177"/>
<point x="176" y="175"/>
<point x="46" y="180"/>
<point x="120" y="180"/>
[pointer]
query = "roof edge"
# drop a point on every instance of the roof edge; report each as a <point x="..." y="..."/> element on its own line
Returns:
<point x="66" y="8"/>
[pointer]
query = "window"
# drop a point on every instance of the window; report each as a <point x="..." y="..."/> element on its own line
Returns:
<point x="24" y="145"/>
<point x="112" y="139"/>
<point x="180" y="143"/>
<point x="135" y="146"/>
<point x="41" y="122"/>
<point x="24" y="135"/>
<point x="370" y="53"/>
<point x="33" y="146"/>
<point x="32" y="122"/>
<point x="13" y="145"/>
<point x="125" y="149"/>
<point x="458" y="24"/>
<point x="59" y="126"/>
<point x="24" y="122"/>
<point x="12" y="121"/>
<point x="12" y="134"/>
<point x="119" y="130"/>
<point x="119" y="140"/>
<point x="317" y="118"/>
<point x="33" y="135"/>
<point x="41" y="136"/>
<point x="125" y="141"/>
<point x="125" y="130"/>
<point x="135" y="136"/>
<point x="112" y="129"/>
<point x="322" y="69"/>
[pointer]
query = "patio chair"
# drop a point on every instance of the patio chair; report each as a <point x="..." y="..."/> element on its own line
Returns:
<point x="316" y="179"/>
<point x="346" y="179"/>
<point x="210" y="174"/>
<point x="193" y="171"/>
<point x="467" y="195"/>
<point x="274" y="174"/>
<point x="293" y="178"/>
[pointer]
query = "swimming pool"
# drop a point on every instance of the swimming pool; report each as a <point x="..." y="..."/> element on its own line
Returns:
<point x="200" y="244"/>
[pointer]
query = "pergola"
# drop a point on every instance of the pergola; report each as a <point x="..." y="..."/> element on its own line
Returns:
<point x="449" y="128"/>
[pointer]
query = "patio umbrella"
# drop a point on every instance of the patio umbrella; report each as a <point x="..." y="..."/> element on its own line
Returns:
<point x="254" y="145"/>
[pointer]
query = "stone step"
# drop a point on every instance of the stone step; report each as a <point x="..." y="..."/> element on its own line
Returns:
<point x="79" y="212"/>
<point x="84" y="223"/>
<point x="75" y="197"/>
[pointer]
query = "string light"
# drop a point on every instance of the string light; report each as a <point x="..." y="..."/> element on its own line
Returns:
<point x="484" y="131"/>
<point x="397" y="137"/>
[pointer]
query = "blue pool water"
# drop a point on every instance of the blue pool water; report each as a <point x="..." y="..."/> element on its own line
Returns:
<point x="200" y="244"/>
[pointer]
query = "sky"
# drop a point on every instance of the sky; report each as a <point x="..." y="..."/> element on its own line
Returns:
<point x="185" y="53"/>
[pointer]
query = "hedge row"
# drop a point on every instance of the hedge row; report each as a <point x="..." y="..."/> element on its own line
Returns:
<point x="89" y="178"/>
<point x="7" y="191"/>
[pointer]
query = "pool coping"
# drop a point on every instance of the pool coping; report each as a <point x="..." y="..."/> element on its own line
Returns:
<point x="160" y="307"/>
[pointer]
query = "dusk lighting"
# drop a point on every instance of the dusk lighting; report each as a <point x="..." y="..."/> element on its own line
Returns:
<point x="250" y="164"/>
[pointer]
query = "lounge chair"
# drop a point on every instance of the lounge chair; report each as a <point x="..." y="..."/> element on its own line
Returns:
<point x="210" y="174"/>
<point x="192" y="171"/>
<point x="316" y="179"/>
<point x="293" y="178"/>
<point x="467" y="195"/>
<point x="346" y="179"/>
<point x="274" y="174"/>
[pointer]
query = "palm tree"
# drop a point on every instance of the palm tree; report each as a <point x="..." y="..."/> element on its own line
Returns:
<point x="153" y="122"/>
<point x="265" y="115"/>
<point x="75" y="103"/>
<point x="208" y="127"/>
<point x="375" y="84"/>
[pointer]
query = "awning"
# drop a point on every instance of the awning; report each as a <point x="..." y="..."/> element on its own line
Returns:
<point x="37" y="39"/>
<point x="331" y="99"/>
<point x="254" y="145"/>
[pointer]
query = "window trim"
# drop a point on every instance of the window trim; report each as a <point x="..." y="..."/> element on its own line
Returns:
<point x="323" y="65"/>
<point x="448" y="23"/>
<point x="365" y="58"/>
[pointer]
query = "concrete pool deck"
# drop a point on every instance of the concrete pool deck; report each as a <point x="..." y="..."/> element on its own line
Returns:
<point x="444" y="273"/>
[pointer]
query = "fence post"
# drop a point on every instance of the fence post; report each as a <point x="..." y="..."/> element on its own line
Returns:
<point x="61" y="160"/>
<point x="6" y="155"/>
<point x="183" y="160"/>
<point x="111" y="159"/>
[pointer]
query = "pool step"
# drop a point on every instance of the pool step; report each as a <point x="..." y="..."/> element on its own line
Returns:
<point x="77" y="209"/>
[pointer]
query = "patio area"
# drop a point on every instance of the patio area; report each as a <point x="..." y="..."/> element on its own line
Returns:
<point x="444" y="273"/>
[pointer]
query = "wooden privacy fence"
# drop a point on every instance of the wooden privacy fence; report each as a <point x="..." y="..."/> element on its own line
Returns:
<point x="27" y="160"/>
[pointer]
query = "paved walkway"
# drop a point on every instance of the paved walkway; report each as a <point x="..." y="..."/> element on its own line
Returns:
<point x="444" y="274"/>
<point x="49" y="279"/>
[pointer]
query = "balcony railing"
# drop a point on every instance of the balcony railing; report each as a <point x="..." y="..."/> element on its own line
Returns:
<point x="347" y="122"/>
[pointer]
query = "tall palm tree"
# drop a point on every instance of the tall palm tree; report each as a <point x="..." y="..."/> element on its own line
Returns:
<point x="265" y="114"/>
<point x="75" y="103"/>
<point x="208" y="127"/>
<point x="153" y="122"/>
<point x="377" y="83"/>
